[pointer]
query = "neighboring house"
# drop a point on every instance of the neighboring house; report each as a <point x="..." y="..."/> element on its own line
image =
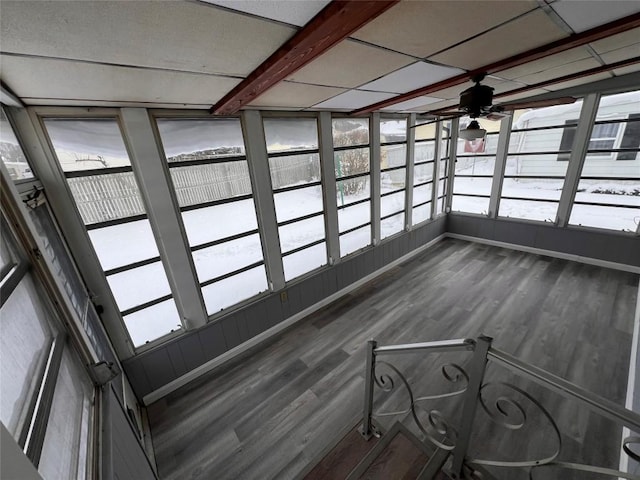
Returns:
<point x="617" y="127"/>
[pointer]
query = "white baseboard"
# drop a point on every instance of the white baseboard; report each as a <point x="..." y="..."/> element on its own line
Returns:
<point x="262" y="337"/>
<point x="549" y="253"/>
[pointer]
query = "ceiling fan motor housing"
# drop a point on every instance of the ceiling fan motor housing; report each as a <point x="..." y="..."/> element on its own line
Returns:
<point x="476" y="100"/>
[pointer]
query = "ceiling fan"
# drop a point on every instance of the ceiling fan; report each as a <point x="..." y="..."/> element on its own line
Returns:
<point x="477" y="101"/>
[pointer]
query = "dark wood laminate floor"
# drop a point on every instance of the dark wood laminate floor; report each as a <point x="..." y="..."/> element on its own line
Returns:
<point x="274" y="412"/>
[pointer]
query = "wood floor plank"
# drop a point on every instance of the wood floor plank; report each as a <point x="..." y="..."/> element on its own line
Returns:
<point x="268" y="415"/>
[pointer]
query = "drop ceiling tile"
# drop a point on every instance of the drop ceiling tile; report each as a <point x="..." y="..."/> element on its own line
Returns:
<point x="545" y="63"/>
<point x="498" y="85"/>
<point x="294" y="13"/>
<point x="618" y="72"/>
<point x="560" y="71"/>
<point x="70" y="80"/>
<point x="421" y="103"/>
<point x="411" y="77"/>
<point x="582" y="15"/>
<point x="437" y="105"/>
<point x="579" y="81"/>
<point x="529" y="31"/>
<point x="350" y="64"/>
<point x="520" y="96"/>
<point x="294" y="95"/>
<point x="184" y="36"/>
<point x="615" y="42"/>
<point x="424" y="28"/>
<point x="353" y="99"/>
<point x="624" y="53"/>
<point x="102" y="103"/>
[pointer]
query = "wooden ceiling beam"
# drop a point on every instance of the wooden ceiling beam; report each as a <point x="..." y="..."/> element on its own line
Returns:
<point x="332" y="24"/>
<point x="567" y="43"/>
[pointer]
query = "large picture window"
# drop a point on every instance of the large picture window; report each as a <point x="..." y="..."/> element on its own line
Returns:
<point x="608" y="194"/>
<point x="353" y="183"/>
<point x="208" y="166"/>
<point x="95" y="162"/>
<point x="534" y="178"/>
<point x="393" y="175"/>
<point x="294" y="165"/>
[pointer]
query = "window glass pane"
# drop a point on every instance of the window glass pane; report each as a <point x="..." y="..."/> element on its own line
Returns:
<point x="392" y="203"/>
<point x="64" y="452"/>
<point x="532" y="188"/>
<point x="475" y="166"/>
<point x="535" y="165"/>
<point x="612" y="179"/>
<point x="528" y="209"/>
<point x="212" y="223"/>
<point x="461" y="203"/>
<point x="393" y="156"/>
<point x="422" y="194"/>
<point x="613" y="218"/>
<point x="284" y="134"/>
<point x="391" y="225"/>
<point x="304" y="261"/>
<point x="11" y="152"/>
<point x="139" y="285"/>
<point x="87" y="144"/>
<point x="351" y="162"/>
<point x="101" y="198"/>
<point x="353" y="190"/>
<point x="227" y="257"/>
<point x="424" y="151"/>
<point x="421" y="213"/>
<point x="547" y="116"/>
<point x="198" y="139"/>
<point x="123" y="244"/>
<point x="353" y="216"/>
<point x="301" y="233"/>
<point x="350" y="131"/>
<point x="550" y="140"/>
<point x="153" y="322"/>
<point x="422" y="173"/>
<point x="6" y="252"/>
<point x="210" y="182"/>
<point x="298" y="203"/>
<point x="472" y="185"/>
<point x="25" y="339"/>
<point x="353" y="241"/>
<point x="426" y="131"/>
<point x="393" y="130"/>
<point x="227" y="292"/>
<point x="393" y="180"/>
<point x="294" y="170"/>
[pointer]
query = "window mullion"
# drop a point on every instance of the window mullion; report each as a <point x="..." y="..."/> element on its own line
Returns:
<point x="258" y="164"/>
<point x="411" y="148"/>
<point x="164" y="215"/>
<point x="436" y="169"/>
<point x="501" y="162"/>
<point x="327" y="163"/>
<point x="374" y="128"/>
<point x="451" y="170"/>
<point x="577" y="158"/>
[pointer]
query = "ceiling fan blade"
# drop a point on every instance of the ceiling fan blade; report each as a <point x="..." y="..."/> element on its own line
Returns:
<point x="508" y="107"/>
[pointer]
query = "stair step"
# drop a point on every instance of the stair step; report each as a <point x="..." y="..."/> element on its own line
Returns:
<point x="344" y="457"/>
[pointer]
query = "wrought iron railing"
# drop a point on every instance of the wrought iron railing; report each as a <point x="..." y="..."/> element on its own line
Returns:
<point x="506" y="404"/>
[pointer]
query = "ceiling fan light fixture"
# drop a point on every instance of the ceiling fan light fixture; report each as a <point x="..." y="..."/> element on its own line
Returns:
<point x="472" y="132"/>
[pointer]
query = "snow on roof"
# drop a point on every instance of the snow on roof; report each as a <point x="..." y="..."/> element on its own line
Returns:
<point x="559" y="110"/>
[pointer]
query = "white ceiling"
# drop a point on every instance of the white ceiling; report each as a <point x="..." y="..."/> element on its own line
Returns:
<point x="287" y="11"/>
<point x="192" y="53"/>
